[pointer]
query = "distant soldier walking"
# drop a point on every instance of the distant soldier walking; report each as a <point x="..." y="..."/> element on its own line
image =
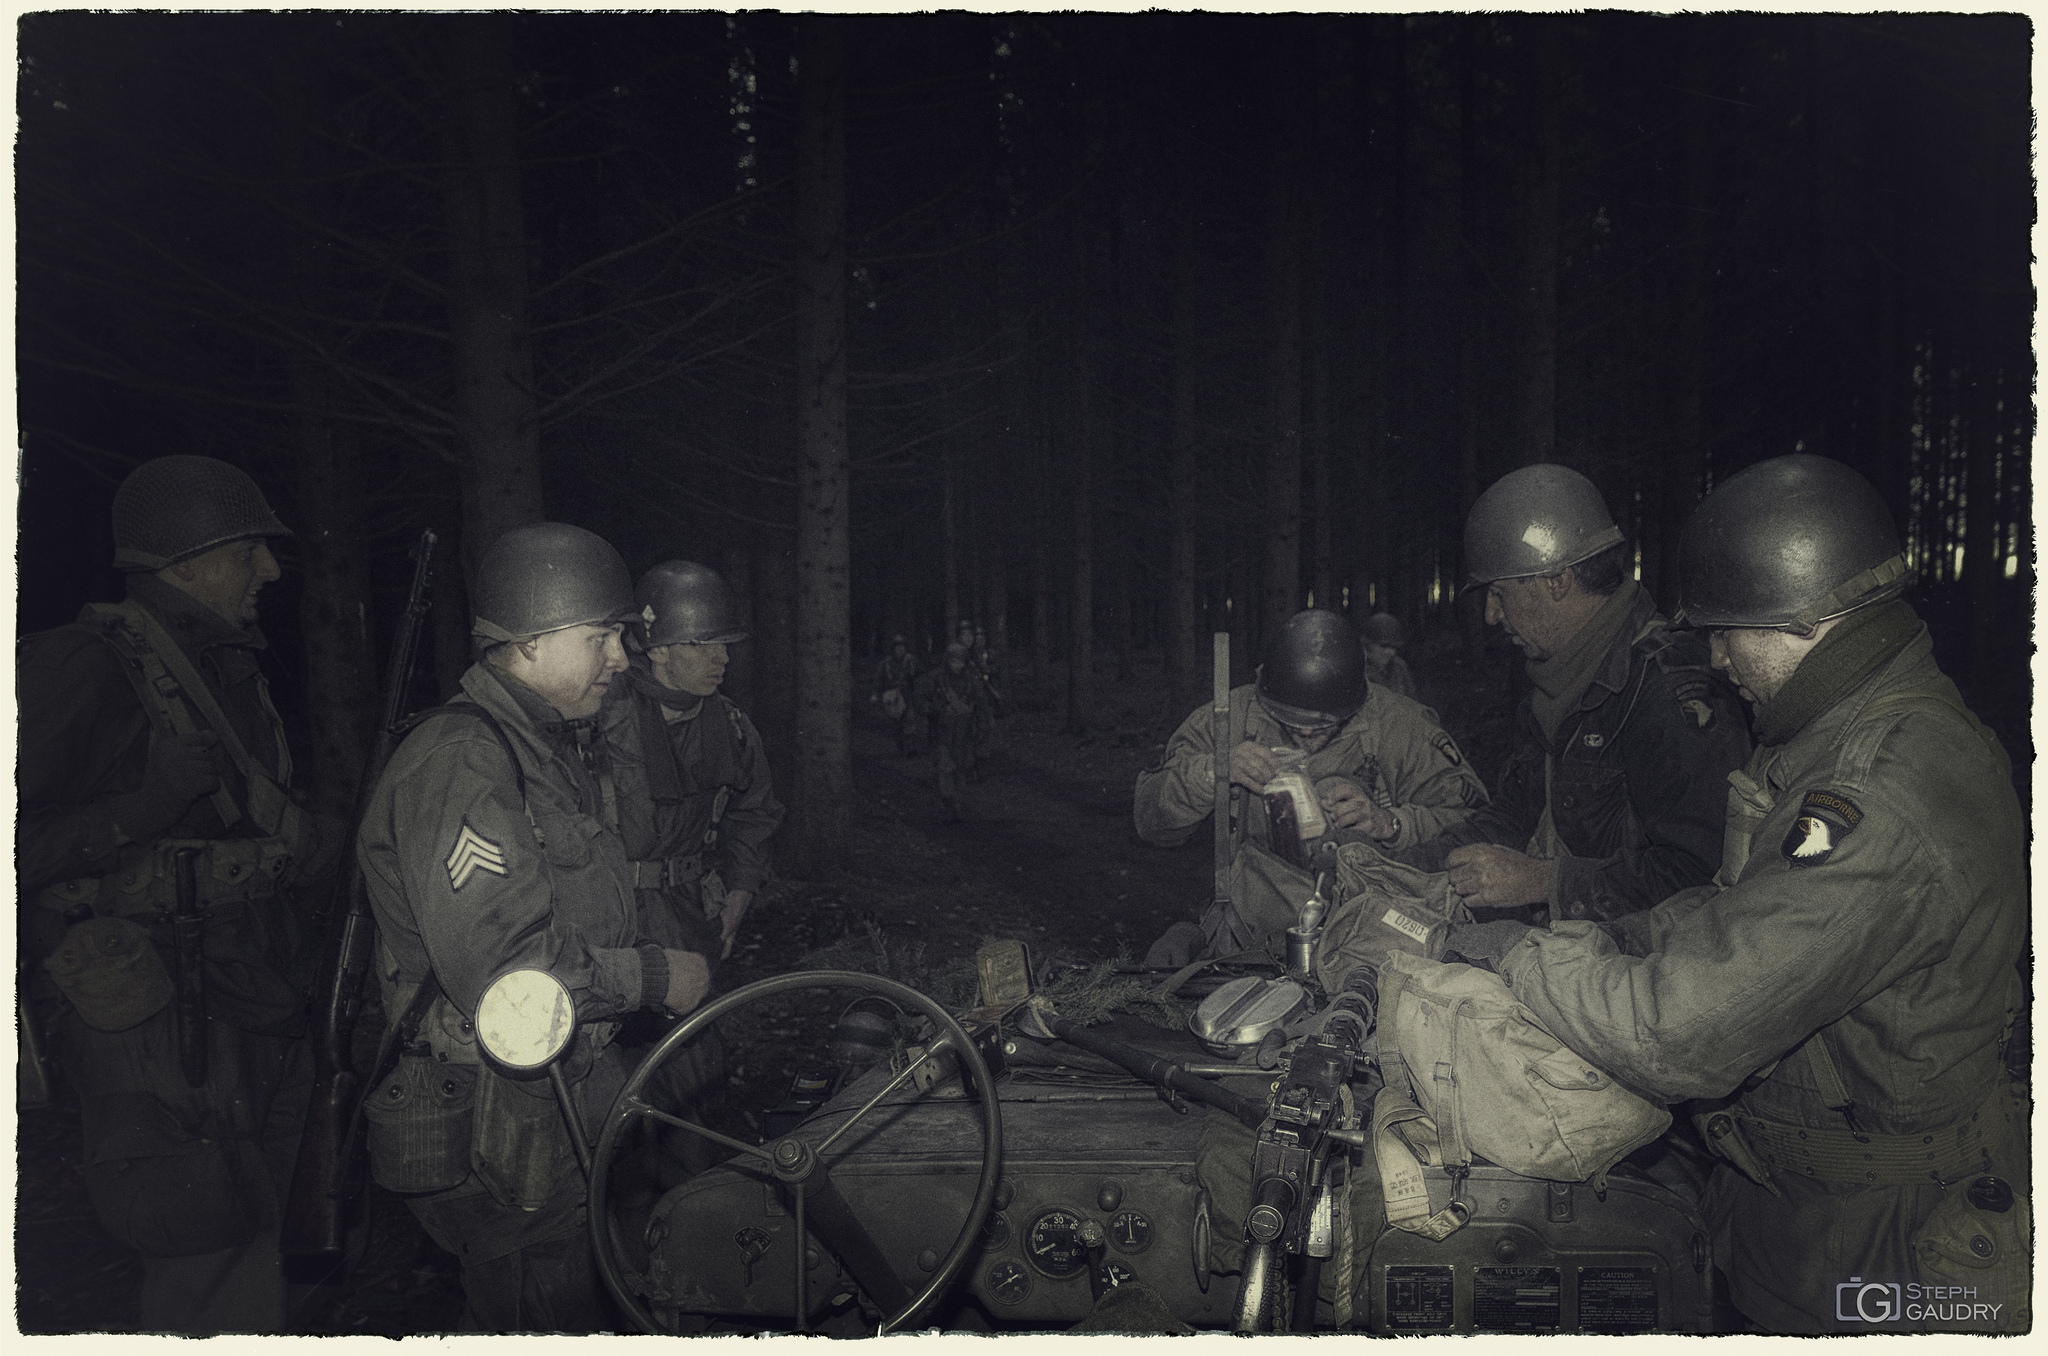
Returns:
<point x="951" y="698"/>
<point x="895" y="691"/>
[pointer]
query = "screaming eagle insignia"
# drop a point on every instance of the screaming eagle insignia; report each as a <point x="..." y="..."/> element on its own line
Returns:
<point x="1444" y="746"/>
<point x="473" y="853"/>
<point x="1825" y="819"/>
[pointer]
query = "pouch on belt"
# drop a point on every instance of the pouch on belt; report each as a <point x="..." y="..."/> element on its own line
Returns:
<point x="111" y="972"/>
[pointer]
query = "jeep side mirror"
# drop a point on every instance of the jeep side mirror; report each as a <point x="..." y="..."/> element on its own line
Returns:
<point x="525" y="1019"/>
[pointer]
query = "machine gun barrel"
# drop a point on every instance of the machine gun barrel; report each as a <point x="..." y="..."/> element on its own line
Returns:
<point x="1158" y="1071"/>
<point x="324" y="1179"/>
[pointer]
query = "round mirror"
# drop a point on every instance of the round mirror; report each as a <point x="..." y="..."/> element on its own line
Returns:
<point x="525" y="1019"/>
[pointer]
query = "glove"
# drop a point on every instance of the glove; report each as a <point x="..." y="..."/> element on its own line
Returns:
<point x="689" y="979"/>
<point x="181" y="770"/>
<point x="1485" y="943"/>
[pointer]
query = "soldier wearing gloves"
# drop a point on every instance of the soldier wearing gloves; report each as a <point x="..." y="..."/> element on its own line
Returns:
<point x="1381" y="769"/>
<point x="487" y="848"/>
<point x="696" y="803"/>
<point x="1847" y="979"/>
<point x="151" y="756"/>
<point x="1611" y="798"/>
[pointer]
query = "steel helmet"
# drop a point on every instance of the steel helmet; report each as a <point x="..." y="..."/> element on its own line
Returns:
<point x="1313" y="672"/>
<point x="1384" y="628"/>
<point x="684" y="603"/>
<point x="1534" y="521"/>
<point x="174" y="508"/>
<point x="1787" y="544"/>
<point x="546" y="576"/>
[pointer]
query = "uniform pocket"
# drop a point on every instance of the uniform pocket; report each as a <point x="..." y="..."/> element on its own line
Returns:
<point x="421" y="1123"/>
<point x="566" y="837"/>
<point x="520" y="1145"/>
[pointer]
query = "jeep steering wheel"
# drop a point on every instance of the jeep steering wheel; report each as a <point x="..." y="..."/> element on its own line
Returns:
<point x="803" y="1167"/>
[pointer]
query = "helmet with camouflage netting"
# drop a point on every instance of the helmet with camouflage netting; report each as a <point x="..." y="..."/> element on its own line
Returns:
<point x="173" y="508"/>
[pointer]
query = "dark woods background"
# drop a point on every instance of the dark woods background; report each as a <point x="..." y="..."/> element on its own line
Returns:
<point x="1103" y="331"/>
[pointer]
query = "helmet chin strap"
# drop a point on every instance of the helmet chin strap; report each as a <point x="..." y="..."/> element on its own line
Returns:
<point x="1852" y="593"/>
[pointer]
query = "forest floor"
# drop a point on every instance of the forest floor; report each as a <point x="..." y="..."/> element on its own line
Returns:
<point x="1044" y="853"/>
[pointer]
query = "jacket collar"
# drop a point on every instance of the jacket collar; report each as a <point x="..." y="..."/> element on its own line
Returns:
<point x="193" y="624"/>
<point x="1612" y="675"/>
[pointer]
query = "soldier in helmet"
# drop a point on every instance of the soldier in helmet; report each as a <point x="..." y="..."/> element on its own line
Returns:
<point x="951" y="697"/>
<point x="1847" y="977"/>
<point x="895" y="682"/>
<point x="1611" y="798"/>
<point x="148" y="742"/>
<point x="1381" y="767"/>
<point x="487" y="847"/>
<point x="1384" y="635"/>
<point x="696" y="803"/>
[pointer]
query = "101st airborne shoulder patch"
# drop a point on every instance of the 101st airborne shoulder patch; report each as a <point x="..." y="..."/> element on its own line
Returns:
<point x="1825" y="819"/>
<point x="473" y="853"/>
<point x="1445" y="746"/>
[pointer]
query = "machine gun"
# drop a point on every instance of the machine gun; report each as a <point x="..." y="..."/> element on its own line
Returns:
<point x="1299" y="1161"/>
<point x="326" y="1177"/>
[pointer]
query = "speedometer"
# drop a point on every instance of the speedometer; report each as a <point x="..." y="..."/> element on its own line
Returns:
<point x="1053" y="1247"/>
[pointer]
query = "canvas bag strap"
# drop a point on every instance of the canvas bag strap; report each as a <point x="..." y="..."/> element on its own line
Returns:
<point x="270" y="809"/>
<point x="1402" y="1184"/>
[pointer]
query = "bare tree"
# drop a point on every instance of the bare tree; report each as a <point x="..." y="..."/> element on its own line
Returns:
<point x="821" y="807"/>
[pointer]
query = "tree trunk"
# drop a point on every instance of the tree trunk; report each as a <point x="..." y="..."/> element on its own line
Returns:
<point x="1183" y="626"/>
<point x="496" y="436"/>
<point x="736" y="564"/>
<point x="1281" y="577"/>
<point x="823" y="791"/>
<point x="775" y="650"/>
<point x="1536" y="413"/>
<point x="341" y="664"/>
<point x="949" y="539"/>
<point x="1081" y="582"/>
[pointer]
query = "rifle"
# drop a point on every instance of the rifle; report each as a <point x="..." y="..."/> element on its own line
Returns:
<point x="325" y="1178"/>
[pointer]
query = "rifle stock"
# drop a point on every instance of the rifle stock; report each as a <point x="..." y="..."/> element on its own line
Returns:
<point x="325" y="1178"/>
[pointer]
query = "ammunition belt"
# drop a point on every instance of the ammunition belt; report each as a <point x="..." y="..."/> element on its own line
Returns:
<point x="669" y="872"/>
<point x="1850" y="1156"/>
<point x="230" y="871"/>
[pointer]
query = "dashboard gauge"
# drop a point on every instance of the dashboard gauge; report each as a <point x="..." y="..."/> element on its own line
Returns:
<point x="995" y="1235"/>
<point x="1130" y="1231"/>
<point x="1053" y="1245"/>
<point x="1118" y="1273"/>
<point x="1008" y="1282"/>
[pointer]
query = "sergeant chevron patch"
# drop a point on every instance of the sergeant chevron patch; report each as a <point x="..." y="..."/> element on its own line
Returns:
<point x="473" y="853"/>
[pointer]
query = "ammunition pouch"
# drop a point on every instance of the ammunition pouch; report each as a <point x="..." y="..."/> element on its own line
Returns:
<point x="229" y="871"/>
<point x="421" y="1124"/>
<point x="113" y="975"/>
<point x="1853" y="1157"/>
<point x="669" y="872"/>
